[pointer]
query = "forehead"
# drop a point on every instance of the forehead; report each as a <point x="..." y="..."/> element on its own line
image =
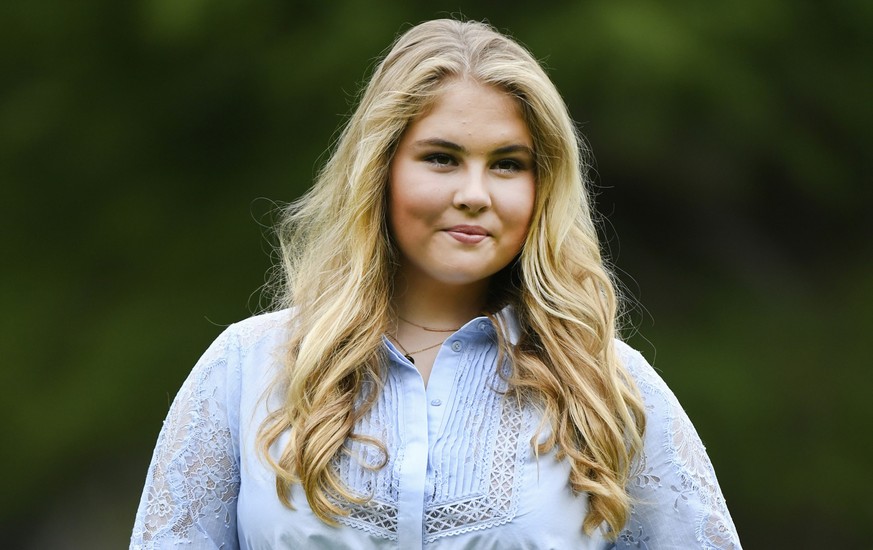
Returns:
<point x="465" y="110"/>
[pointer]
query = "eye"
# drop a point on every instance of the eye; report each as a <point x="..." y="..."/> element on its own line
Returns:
<point x="508" y="165"/>
<point x="440" y="159"/>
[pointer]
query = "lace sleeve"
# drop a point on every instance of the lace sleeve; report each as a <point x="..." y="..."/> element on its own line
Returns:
<point x="192" y="484"/>
<point x="677" y="500"/>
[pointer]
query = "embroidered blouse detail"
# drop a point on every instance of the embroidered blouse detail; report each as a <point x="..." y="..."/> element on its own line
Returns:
<point x="496" y="473"/>
<point x="459" y="472"/>
<point x="693" y="489"/>
<point x="464" y="493"/>
<point x="193" y="482"/>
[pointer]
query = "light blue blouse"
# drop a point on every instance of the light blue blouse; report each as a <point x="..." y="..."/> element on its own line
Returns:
<point x="461" y="473"/>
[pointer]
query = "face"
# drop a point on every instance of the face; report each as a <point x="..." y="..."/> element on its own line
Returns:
<point x="462" y="187"/>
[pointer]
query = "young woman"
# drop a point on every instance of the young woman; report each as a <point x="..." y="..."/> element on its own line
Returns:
<point x="444" y="372"/>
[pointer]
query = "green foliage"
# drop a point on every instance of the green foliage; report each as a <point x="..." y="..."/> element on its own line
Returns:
<point x="142" y="145"/>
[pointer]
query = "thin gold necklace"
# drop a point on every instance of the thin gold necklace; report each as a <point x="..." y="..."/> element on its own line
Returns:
<point x="409" y="354"/>
<point x="429" y="329"/>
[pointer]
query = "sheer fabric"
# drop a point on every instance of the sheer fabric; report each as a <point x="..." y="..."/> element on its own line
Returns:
<point x="460" y="471"/>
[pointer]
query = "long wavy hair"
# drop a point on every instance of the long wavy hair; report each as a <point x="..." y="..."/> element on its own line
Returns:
<point x="339" y="264"/>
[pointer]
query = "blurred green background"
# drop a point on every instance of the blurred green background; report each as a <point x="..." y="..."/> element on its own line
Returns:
<point x="144" y="145"/>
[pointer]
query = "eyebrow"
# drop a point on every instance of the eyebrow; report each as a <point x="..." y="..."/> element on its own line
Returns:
<point x="445" y="144"/>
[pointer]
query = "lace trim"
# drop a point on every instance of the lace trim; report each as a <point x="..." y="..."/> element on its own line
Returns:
<point x="193" y="479"/>
<point x="691" y="465"/>
<point x="496" y="460"/>
<point x="358" y="468"/>
<point x="636" y="538"/>
<point x="697" y="478"/>
<point x="495" y="507"/>
<point x="376" y="516"/>
<point x="500" y="504"/>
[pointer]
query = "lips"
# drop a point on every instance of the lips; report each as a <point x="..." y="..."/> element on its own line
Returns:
<point x="467" y="234"/>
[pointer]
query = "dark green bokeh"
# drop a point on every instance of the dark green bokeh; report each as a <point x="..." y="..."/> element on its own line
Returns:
<point x="142" y="145"/>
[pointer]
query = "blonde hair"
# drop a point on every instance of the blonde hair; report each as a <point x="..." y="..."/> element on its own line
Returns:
<point x="339" y="265"/>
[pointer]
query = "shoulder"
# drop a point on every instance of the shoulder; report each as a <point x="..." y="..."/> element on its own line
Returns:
<point x="254" y="341"/>
<point x="652" y="387"/>
<point x="668" y="427"/>
<point x="272" y="327"/>
<point x="677" y="499"/>
<point x="244" y="358"/>
<point x="647" y="379"/>
<point x="239" y="340"/>
<point x="259" y="332"/>
<point x="670" y="438"/>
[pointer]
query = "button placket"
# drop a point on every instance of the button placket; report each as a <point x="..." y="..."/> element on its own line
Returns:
<point x="441" y="383"/>
<point x="412" y="485"/>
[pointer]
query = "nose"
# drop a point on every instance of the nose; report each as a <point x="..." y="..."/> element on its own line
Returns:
<point x="472" y="193"/>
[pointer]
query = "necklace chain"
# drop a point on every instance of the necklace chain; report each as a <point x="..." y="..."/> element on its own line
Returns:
<point x="409" y="354"/>
<point x="429" y="329"/>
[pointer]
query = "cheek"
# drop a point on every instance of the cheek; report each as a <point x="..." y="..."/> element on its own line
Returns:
<point x="410" y="203"/>
<point x="520" y="212"/>
<point x="403" y="208"/>
<point x="398" y="197"/>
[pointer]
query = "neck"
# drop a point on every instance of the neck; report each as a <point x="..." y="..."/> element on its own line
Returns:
<point x="438" y="305"/>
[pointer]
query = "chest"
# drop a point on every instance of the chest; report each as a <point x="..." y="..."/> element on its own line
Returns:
<point x="459" y="472"/>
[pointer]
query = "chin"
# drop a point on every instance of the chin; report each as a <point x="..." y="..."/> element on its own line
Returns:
<point x="464" y="278"/>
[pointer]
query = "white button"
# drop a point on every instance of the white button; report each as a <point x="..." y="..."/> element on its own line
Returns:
<point x="436" y="402"/>
<point x="456" y="346"/>
<point x="483" y="325"/>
